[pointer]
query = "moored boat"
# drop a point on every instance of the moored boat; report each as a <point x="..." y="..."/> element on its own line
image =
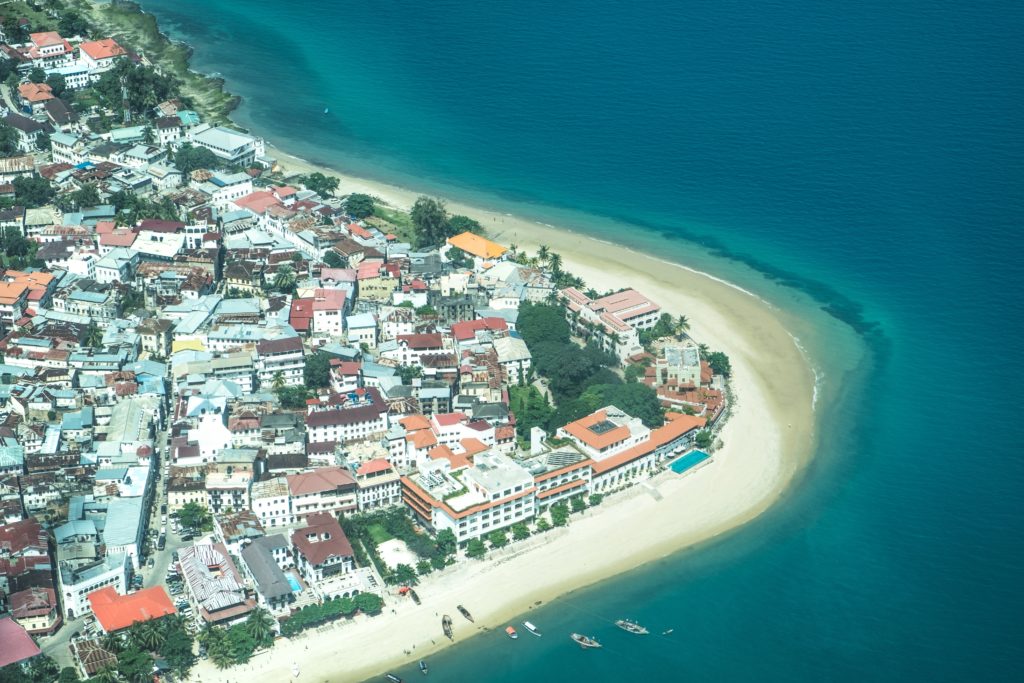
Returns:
<point x="511" y="632"/>
<point x="531" y="628"/>
<point x="446" y="624"/>
<point x="632" y="627"/>
<point x="423" y="668"/>
<point x="414" y="596"/>
<point x="465" y="612"/>
<point x="584" y="641"/>
<point x="393" y="678"/>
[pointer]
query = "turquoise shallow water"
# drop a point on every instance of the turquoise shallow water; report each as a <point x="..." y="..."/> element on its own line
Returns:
<point x="860" y="166"/>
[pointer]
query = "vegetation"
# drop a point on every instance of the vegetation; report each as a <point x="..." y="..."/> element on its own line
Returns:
<point x="520" y="531"/>
<point x="131" y="208"/>
<point x="32" y="191"/>
<point x="595" y="499"/>
<point x="292" y="398"/>
<point x="317" y="372"/>
<point x="284" y="280"/>
<point x="359" y="206"/>
<point x="189" y="158"/>
<point x="476" y="548"/>
<point x="559" y="514"/>
<point x="333" y="259"/>
<point x="8" y="140"/>
<point x="577" y="503"/>
<point x="322" y="184"/>
<point x="41" y="669"/>
<point x="330" y="610"/>
<point x="430" y="221"/>
<point x="134" y="87"/>
<point x="365" y="531"/>
<point x="498" y="538"/>
<point x="409" y="372"/>
<point x="719" y="363"/>
<point x="530" y="408"/>
<point x="459" y="258"/>
<point x="704" y="439"/>
<point x="460" y="224"/>
<point x="16" y="250"/>
<point x="194" y="516"/>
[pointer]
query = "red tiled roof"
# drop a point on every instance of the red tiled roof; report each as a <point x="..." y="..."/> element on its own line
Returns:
<point x="102" y="49"/>
<point x="467" y="329"/>
<point x="322" y="539"/>
<point x="319" y="480"/>
<point x="581" y="430"/>
<point x="373" y="467"/>
<point x="115" y="612"/>
<point x="18" y="645"/>
<point x="422" y="341"/>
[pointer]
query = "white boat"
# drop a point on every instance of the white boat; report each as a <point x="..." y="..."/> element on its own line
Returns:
<point x="631" y="627"/>
<point x="531" y="628"/>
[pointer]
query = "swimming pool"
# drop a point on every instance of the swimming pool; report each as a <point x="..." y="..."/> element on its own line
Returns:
<point x="688" y="461"/>
<point x="293" y="582"/>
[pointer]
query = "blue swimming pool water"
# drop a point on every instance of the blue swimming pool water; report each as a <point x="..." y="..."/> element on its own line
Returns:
<point x="293" y="582"/>
<point x="691" y="459"/>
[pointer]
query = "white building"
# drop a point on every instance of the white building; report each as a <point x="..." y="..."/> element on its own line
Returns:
<point x="75" y="584"/>
<point x="271" y="502"/>
<point x="232" y="146"/>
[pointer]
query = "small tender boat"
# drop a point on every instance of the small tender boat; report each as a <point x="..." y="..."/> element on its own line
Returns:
<point x="465" y="612"/>
<point x="584" y="641"/>
<point x="394" y="678"/>
<point x="667" y="631"/>
<point x="531" y="628"/>
<point x="412" y="594"/>
<point x="423" y="668"/>
<point x="511" y="632"/>
<point x="631" y="627"/>
<point x="446" y="624"/>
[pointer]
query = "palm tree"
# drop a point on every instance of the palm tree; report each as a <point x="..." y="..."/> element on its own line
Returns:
<point x="278" y="383"/>
<point x="93" y="335"/>
<point x="513" y="248"/>
<point x="147" y="636"/>
<point x="112" y="643"/>
<point x="260" y="625"/>
<point x="555" y="263"/>
<point x="543" y="252"/>
<point x="682" y="326"/>
<point x="107" y="674"/>
<point x="703" y="350"/>
<point x="284" y="280"/>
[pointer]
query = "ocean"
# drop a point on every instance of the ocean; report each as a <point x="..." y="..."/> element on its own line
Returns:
<point x="857" y="164"/>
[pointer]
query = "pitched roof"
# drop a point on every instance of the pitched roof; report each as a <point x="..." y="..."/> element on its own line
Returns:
<point x="102" y="49"/>
<point x="319" y="480"/>
<point x="322" y="539"/>
<point x="478" y="246"/>
<point x="35" y="92"/>
<point x="467" y="329"/>
<point x="373" y="467"/>
<point x="584" y="430"/>
<point x="115" y="612"/>
<point x="18" y="645"/>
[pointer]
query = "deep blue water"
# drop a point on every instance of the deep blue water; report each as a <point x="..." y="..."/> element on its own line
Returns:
<point x="867" y="155"/>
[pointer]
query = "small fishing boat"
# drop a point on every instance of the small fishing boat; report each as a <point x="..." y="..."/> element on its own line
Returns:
<point x="446" y="624"/>
<point x="511" y="632"/>
<point x="531" y="628"/>
<point x="412" y="594"/>
<point x="295" y="670"/>
<point x="584" y="641"/>
<point x="394" y="678"/>
<point x="423" y="668"/>
<point x="667" y="631"/>
<point x="326" y="110"/>
<point x="631" y="627"/>
<point x="465" y="612"/>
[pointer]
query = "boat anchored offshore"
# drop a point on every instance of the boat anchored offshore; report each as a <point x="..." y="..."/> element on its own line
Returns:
<point x="465" y="612"/>
<point x="423" y="668"/>
<point x="584" y="641"/>
<point x="394" y="678"/>
<point x="632" y="627"/>
<point x="511" y="632"/>
<point x="531" y="628"/>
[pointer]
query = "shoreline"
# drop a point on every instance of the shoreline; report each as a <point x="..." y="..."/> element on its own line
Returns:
<point x="767" y="441"/>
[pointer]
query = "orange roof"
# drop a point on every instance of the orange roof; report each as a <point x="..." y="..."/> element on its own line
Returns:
<point x="38" y="278"/>
<point x="412" y="422"/>
<point x="457" y="460"/>
<point x="115" y="612"/>
<point x="46" y="38"/>
<point x="102" y="49"/>
<point x="373" y="466"/>
<point x="581" y="430"/>
<point x="473" y="446"/>
<point x="422" y="438"/>
<point x="676" y="425"/>
<point x="35" y="92"/>
<point x="476" y="245"/>
<point x="10" y="292"/>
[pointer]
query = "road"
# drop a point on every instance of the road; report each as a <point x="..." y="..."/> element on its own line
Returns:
<point x="8" y="102"/>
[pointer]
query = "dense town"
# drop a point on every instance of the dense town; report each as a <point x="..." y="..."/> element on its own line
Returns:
<point x="235" y="404"/>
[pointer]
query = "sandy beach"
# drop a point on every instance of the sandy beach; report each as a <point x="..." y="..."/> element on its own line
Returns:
<point x="767" y="439"/>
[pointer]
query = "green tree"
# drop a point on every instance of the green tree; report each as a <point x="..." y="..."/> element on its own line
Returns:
<point x="633" y="372"/>
<point x="57" y="84"/>
<point x="578" y="504"/>
<point x="37" y="75"/>
<point x="285" y="279"/>
<point x="240" y="643"/>
<point x="430" y="221"/>
<point x="260" y="626"/>
<point x="369" y="603"/>
<point x="194" y="516"/>
<point x="704" y="439"/>
<point x="520" y="531"/>
<point x="445" y="542"/>
<point x="135" y="87"/>
<point x="134" y="665"/>
<point x="405" y="575"/>
<point x="131" y="299"/>
<point x="409" y="372"/>
<point x="322" y="184"/>
<point x="177" y="645"/>
<point x="359" y="206"/>
<point x="107" y="674"/>
<point x="317" y="372"/>
<point x="423" y="567"/>
<point x="292" y="398"/>
<point x="145" y="635"/>
<point x="459" y="258"/>
<point x="498" y="538"/>
<point x="189" y="158"/>
<point x="8" y="141"/>
<point x="68" y="675"/>
<point x="14" y="31"/>
<point x="595" y="499"/>
<point x="476" y="548"/>
<point x="559" y="514"/>
<point x="93" y="336"/>
<point x="72" y="23"/>
<point x="719" y="363"/>
<point x="461" y="224"/>
<point x="33" y="191"/>
<point x="543" y="525"/>
<point x="333" y="259"/>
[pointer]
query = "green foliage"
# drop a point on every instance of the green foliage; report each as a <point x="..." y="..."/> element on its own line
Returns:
<point x="40" y="669"/>
<point x="292" y="398"/>
<point x="8" y="141"/>
<point x="719" y="363"/>
<point x="17" y="250"/>
<point x="543" y="525"/>
<point x="459" y="258"/>
<point x="404" y="575"/>
<point x="333" y="259"/>
<point x="430" y="221"/>
<point x="32" y="191"/>
<point x="520" y="531"/>
<point x="634" y="372"/>
<point x="639" y="400"/>
<point x="131" y="299"/>
<point x="329" y="610"/>
<point x="37" y="75"/>
<point x="461" y="224"/>
<point x="423" y="567"/>
<point x="369" y="603"/>
<point x="498" y="538"/>
<point x="578" y="504"/>
<point x="177" y="645"/>
<point x="189" y="158"/>
<point x="87" y="195"/>
<point x="475" y="548"/>
<point x="134" y="665"/>
<point x="260" y="625"/>
<point x="595" y="499"/>
<point x="559" y="514"/>
<point x="425" y="311"/>
<point x="445" y="542"/>
<point x="409" y="372"/>
<point x="131" y="208"/>
<point x="72" y="23"/>
<point x="530" y="408"/>
<point x="284" y="280"/>
<point x="68" y="675"/>
<point x="194" y="516"/>
<point x="317" y="372"/>
<point x="359" y="206"/>
<point x="57" y="84"/>
<point x="704" y="439"/>
<point x="14" y="31"/>
<point x="542" y="322"/>
<point x="322" y="184"/>
<point x="241" y="643"/>
<point x="145" y="88"/>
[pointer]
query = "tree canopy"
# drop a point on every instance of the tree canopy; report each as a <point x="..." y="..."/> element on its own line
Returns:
<point x="143" y="88"/>
<point x="430" y="221"/>
<point x="719" y="363"/>
<point x="33" y="191"/>
<point x="459" y="224"/>
<point x="194" y="516"/>
<point x="323" y="185"/>
<point x="359" y="205"/>
<point x="317" y="372"/>
<point x="189" y="158"/>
